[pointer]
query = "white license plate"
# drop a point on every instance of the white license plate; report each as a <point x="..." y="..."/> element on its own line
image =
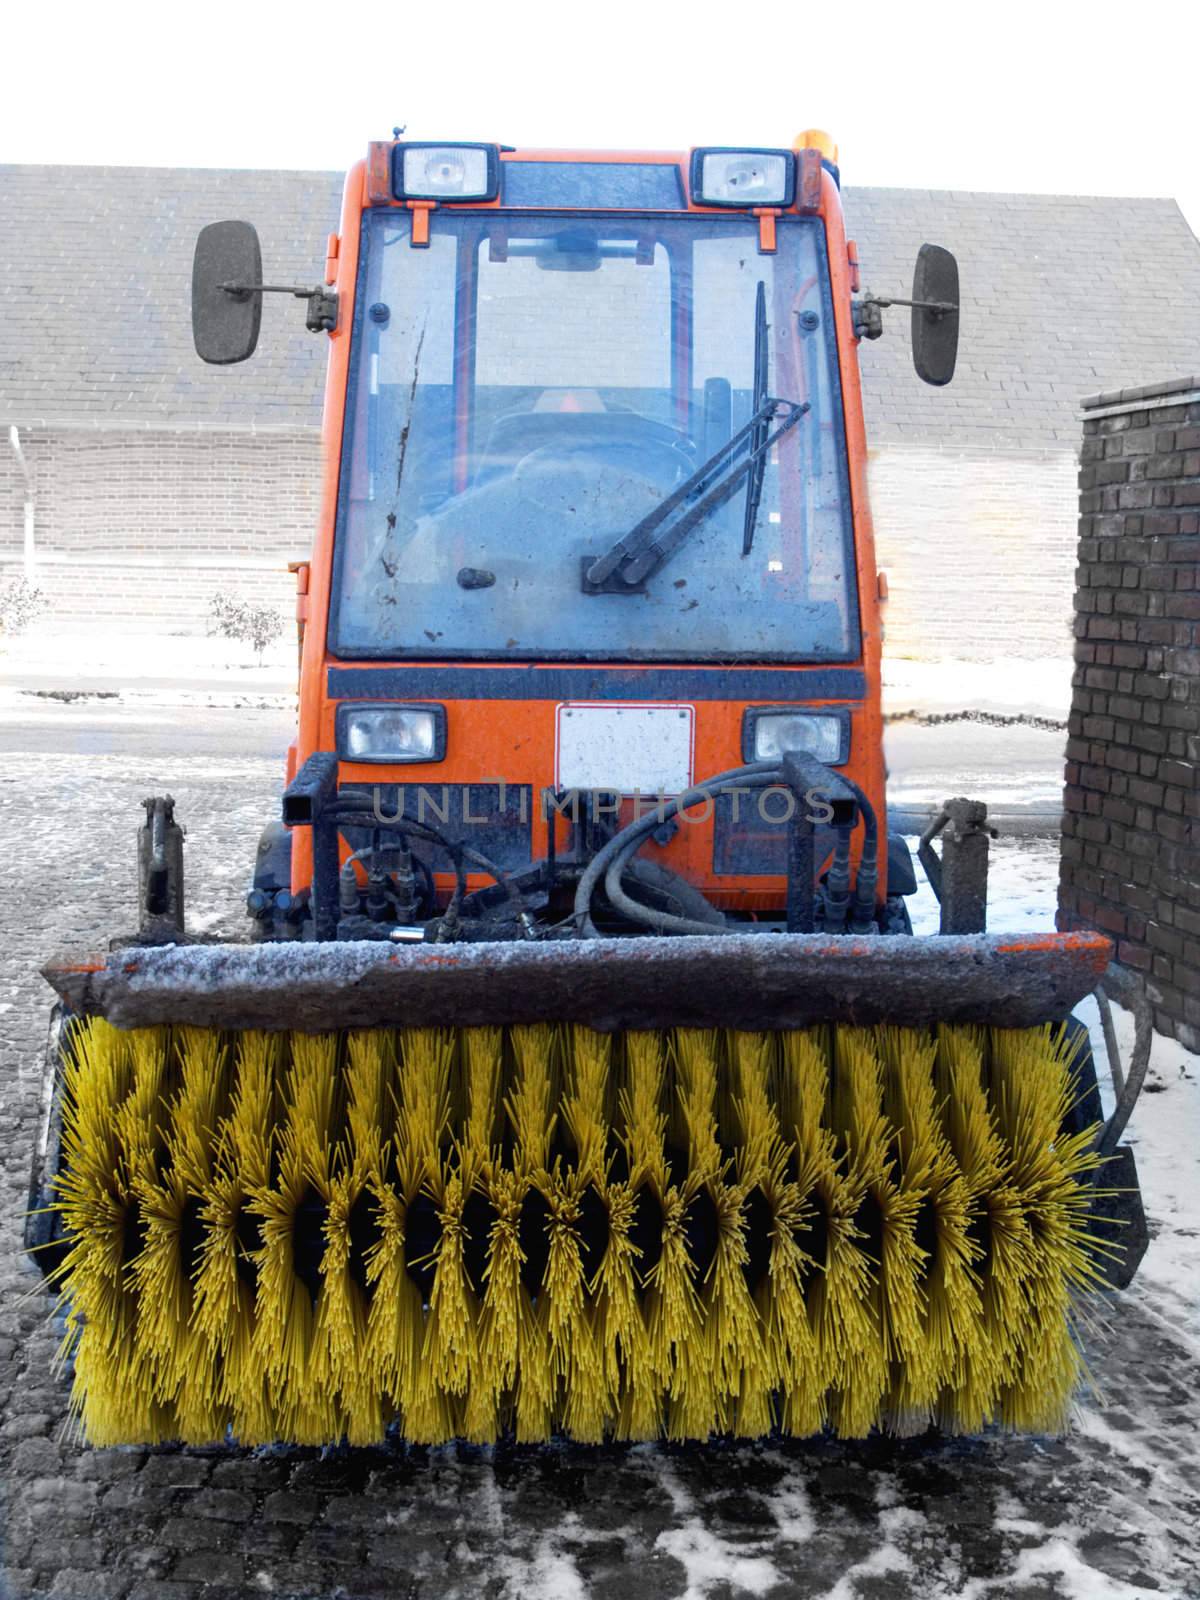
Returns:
<point x="632" y="749"/>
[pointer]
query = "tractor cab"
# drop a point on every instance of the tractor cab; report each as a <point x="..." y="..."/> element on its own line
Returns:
<point x="595" y="525"/>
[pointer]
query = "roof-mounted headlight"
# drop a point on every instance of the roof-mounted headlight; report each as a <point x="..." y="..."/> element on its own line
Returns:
<point x="743" y="177"/>
<point x="446" y="171"/>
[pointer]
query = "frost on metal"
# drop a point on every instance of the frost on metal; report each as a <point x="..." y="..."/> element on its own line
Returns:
<point x="741" y="981"/>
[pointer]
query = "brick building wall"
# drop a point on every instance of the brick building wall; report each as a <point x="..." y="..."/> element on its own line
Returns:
<point x="140" y="529"/>
<point x="979" y="549"/>
<point x="1131" y="828"/>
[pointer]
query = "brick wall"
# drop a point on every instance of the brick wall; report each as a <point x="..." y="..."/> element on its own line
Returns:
<point x="1131" y="829"/>
<point x="141" y="528"/>
<point x="979" y="549"/>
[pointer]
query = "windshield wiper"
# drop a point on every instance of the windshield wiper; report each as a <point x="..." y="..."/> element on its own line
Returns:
<point x="754" y="483"/>
<point x="644" y="548"/>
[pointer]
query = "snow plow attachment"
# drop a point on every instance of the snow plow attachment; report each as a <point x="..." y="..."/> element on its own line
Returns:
<point x="639" y="1188"/>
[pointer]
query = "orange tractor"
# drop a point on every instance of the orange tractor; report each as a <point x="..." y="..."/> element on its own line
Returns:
<point x="582" y="1070"/>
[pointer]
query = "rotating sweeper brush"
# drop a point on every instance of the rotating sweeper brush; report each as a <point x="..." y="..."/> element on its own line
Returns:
<point x="558" y="1092"/>
<point x="537" y="1228"/>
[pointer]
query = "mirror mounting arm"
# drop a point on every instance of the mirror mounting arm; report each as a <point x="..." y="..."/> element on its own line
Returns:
<point x="868" y="312"/>
<point x="321" y="316"/>
<point x="940" y="308"/>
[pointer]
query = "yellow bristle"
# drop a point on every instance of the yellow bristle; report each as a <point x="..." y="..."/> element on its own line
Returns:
<point x="504" y="1302"/>
<point x="694" y="1388"/>
<point x="572" y="1321"/>
<point x="995" y="1217"/>
<point x="343" y="1177"/>
<point x="838" y="1287"/>
<point x="111" y="1086"/>
<point x="1032" y="1089"/>
<point x="422" y="1126"/>
<point x="634" y="1370"/>
<point x="788" y="1346"/>
<point x="448" y="1352"/>
<point x="225" y="1309"/>
<point x="732" y="1344"/>
<point x="952" y="1307"/>
<point x="531" y="1118"/>
<point x="885" y="1223"/>
<point x="671" y="1309"/>
<point x="171" y="1206"/>
<point x="240" y="1215"/>
<point x="395" y="1317"/>
<point x="492" y="1366"/>
<point x="288" y="1315"/>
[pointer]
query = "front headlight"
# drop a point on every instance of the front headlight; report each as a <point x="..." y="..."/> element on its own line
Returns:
<point x="387" y="733"/>
<point x="446" y="172"/>
<point x="743" y="177"/>
<point x="824" y="735"/>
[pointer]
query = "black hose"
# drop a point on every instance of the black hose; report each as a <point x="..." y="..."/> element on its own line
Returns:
<point x="664" y="921"/>
<point x="631" y="837"/>
<point x="862" y="907"/>
<point x="837" y="882"/>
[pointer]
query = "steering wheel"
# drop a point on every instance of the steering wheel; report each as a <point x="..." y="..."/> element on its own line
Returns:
<point x="622" y="476"/>
<point x="519" y="435"/>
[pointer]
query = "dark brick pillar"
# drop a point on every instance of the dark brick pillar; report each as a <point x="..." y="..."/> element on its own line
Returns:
<point x="1131" y="824"/>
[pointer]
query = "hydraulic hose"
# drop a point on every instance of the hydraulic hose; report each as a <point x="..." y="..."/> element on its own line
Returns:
<point x="862" y="907"/>
<point x="662" y="921"/>
<point x="630" y="838"/>
<point x="611" y="861"/>
<point x="837" y="882"/>
<point x="457" y="852"/>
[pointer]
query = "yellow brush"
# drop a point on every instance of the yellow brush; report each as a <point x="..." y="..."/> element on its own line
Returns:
<point x="309" y="1237"/>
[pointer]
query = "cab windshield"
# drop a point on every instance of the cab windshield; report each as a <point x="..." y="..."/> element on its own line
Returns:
<point x="527" y="389"/>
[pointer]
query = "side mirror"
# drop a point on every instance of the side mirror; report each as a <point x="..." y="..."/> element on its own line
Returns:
<point x="935" y="314"/>
<point x="225" y="321"/>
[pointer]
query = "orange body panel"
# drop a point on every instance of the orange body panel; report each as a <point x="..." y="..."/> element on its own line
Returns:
<point x="514" y="740"/>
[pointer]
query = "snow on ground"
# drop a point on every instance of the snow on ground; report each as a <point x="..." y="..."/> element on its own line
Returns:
<point x="1022" y="887"/>
<point x="148" y="659"/>
<point x="1040" y="687"/>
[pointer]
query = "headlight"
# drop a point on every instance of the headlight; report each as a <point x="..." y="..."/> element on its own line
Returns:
<point x="446" y="172"/>
<point x="391" y="733"/>
<point x="768" y="733"/>
<point x="743" y="177"/>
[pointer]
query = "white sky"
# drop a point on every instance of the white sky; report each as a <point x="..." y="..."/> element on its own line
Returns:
<point x="1059" y="97"/>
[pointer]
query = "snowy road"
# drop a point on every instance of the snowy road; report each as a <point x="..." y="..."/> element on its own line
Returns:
<point x="1110" y="1513"/>
<point x="1013" y="768"/>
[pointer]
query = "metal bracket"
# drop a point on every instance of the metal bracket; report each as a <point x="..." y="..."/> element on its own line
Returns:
<point x="322" y="312"/>
<point x="306" y="801"/>
<point x="868" y="312"/>
<point x="1117" y="1215"/>
<point x="959" y="878"/>
<point x="868" y="319"/>
<point x="1127" y="1085"/>
<point x="160" y="873"/>
<point x="805" y="777"/>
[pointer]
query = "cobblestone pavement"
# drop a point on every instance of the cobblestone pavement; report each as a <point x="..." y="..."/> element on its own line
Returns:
<point x="1113" y="1512"/>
